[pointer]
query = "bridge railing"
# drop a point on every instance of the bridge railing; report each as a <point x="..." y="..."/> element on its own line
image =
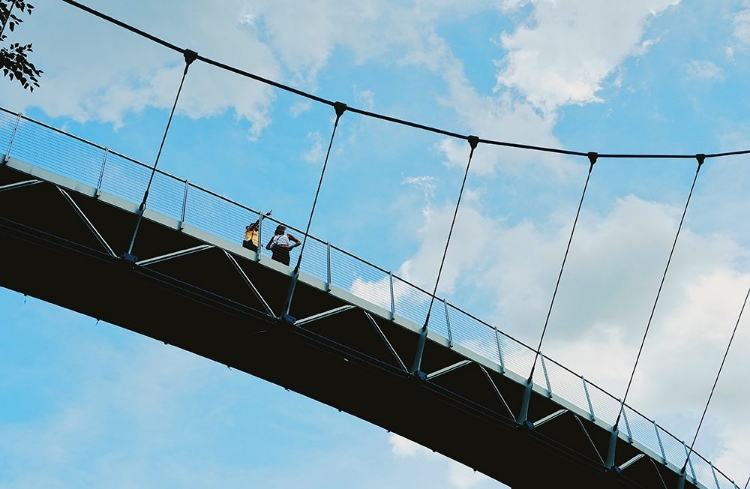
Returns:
<point x="69" y="156"/>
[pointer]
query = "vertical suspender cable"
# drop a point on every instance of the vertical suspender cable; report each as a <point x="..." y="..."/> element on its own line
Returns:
<point x="340" y="108"/>
<point x="592" y="156"/>
<point x="701" y="158"/>
<point x="592" y="161"/>
<point x="473" y="141"/>
<point x="716" y="380"/>
<point x="190" y="56"/>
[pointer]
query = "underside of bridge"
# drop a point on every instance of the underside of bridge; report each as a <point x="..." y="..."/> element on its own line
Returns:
<point x="66" y="248"/>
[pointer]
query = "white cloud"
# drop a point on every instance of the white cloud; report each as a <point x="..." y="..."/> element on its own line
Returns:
<point x="566" y="51"/>
<point x="741" y="26"/>
<point x="704" y="70"/>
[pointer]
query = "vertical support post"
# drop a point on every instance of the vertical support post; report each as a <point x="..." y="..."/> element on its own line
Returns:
<point x="499" y="351"/>
<point x="661" y="446"/>
<point x="625" y="419"/>
<point x="716" y="479"/>
<point x="523" y="415"/>
<point x="12" y="136"/>
<point x="393" y="297"/>
<point x="184" y="206"/>
<point x="688" y="462"/>
<point x="546" y="378"/>
<point x="328" y="266"/>
<point x="588" y="398"/>
<point x="610" y="463"/>
<point x="98" y="191"/>
<point x="261" y="216"/>
<point x="448" y="324"/>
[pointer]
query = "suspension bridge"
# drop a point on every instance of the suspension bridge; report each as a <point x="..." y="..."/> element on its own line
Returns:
<point x="97" y="232"/>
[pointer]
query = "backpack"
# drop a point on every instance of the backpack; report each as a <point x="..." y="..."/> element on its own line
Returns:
<point x="271" y="243"/>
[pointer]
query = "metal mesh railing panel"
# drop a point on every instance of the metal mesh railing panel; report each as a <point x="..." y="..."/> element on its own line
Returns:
<point x="79" y="160"/>
<point x="7" y="126"/>
<point x="166" y="196"/>
<point x="359" y="278"/>
<point x="517" y="357"/>
<point x="57" y="152"/>
<point x="125" y="179"/>
<point x="473" y="335"/>
<point x="563" y="383"/>
<point x="315" y="260"/>
<point x="606" y="406"/>
<point x="643" y="431"/>
<point x="412" y="303"/>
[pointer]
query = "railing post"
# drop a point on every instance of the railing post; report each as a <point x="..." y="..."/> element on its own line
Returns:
<point x="12" y="138"/>
<point x="393" y="298"/>
<point x="546" y="378"/>
<point x="261" y="216"/>
<point x="101" y="174"/>
<point x="661" y="446"/>
<point x="610" y="463"/>
<point x="689" y="462"/>
<point x="328" y="267"/>
<point x="184" y="207"/>
<point x="588" y="398"/>
<point x="448" y="325"/>
<point x="499" y="351"/>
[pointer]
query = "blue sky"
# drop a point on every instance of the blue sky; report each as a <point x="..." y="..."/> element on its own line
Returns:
<point x="89" y="405"/>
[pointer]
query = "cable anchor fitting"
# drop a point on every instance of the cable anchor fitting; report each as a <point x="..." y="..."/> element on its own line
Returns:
<point x="473" y="141"/>
<point x="701" y="158"/>
<point x="593" y="156"/>
<point x="340" y="108"/>
<point x="190" y="56"/>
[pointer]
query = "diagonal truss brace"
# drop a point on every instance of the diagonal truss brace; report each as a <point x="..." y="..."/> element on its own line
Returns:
<point x="385" y="340"/>
<point x="88" y="223"/>
<point x="631" y="461"/>
<point x="549" y="418"/>
<point x="588" y="437"/>
<point x="13" y="186"/>
<point x="497" y="391"/>
<point x="323" y="315"/>
<point x="447" y="369"/>
<point x="250" y="284"/>
<point x="170" y="256"/>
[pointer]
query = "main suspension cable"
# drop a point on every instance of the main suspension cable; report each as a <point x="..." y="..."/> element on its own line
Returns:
<point x="395" y="120"/>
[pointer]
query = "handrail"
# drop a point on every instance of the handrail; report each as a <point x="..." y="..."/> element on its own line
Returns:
<point x="586" y="405"/>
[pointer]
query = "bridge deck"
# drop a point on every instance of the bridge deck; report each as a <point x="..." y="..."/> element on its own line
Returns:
<point x="62" y="243"/>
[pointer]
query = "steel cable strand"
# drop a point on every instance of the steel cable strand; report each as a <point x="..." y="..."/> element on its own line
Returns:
<point x="190" y="56"/>
<point x="701" y="159"/>
<point x="366" y="113"/>
<point x="340" y="108"/>
<point x="592" y="161"/>
<point x="473" y="141"/>
<point x="716" y="380"/>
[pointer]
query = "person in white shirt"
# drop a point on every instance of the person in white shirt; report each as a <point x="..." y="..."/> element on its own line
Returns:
<point x="281" y="243"/>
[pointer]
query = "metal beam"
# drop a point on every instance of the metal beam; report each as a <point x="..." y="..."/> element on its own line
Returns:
<point x="447" y="369"/>
<point x="632" y="461"/>
<point x="13" y="186"/>
<point x="250" y="283"/>
<point x="323" y="315"/>
<point x="550" y="417"/>
<point x="497" y="391"/>
<point x="176" y="254"/>
<point x="385" y="340"/>
<point x="85" y="219"/>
